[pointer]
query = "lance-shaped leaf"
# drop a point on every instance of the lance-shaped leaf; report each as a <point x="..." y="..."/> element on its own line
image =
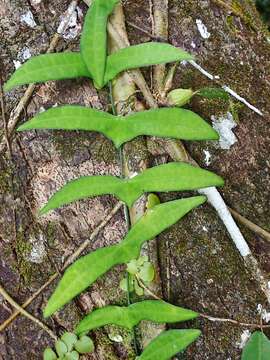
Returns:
<point x="168" y="344"/>
<point x="143" y="55"/>
<point x="167" y="177"/>
<point x="89" y="268"/>
<point x="67" y="65"/>
<point x="94" y="38"/>
<point x="257" y="348"/>
<point x="167" y="122"/>
<point x="157" y="311"/>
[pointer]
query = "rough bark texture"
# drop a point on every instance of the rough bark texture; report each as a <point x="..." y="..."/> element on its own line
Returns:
<point x="200" y="267"/>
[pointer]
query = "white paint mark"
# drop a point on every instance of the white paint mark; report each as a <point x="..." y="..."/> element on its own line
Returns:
<point x="244" y="339"/>
<point x="116" y="338"/>
<point x="202" y="29"/>
<point x="263" y="312"/>
<point x="193" y="44"/>
<point x="224" y="125"/>
<point x="215" y="199"/>
<point x="240" y="98"/>
<point x="35" y="2"/>
<point x="259" y="308"/>
<point x="207" y="157"/>
<point x="17" y="64"/>
<point x="38" y="251"/>
<point x="68" y="19"/>
<point x="28" y="19"/>
<point x="24" y="54"/>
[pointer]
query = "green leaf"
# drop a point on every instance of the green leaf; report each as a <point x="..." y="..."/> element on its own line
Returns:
<point x="152" y="200"/>
<point x="168" y="344"/>
<point x="84" y="345"/>
<point x="257" y="348"/>
<point x="124" y="284"/>
<point x="157" y="311"/>
<point x="143" y="55"/>
<point x="61" y="348"/>
<point x="147" y="272"/>
<point x="138" y="290"/>
<point x="168" y="177"/>
<point x="94" y="38"/>
<point x="167" y="122"/>
<point x="49" y="354"/>
<point x="69" y="339"/>
<point x="72" y="356"/>
<point x="87" y="269"/>
<point x="47" y="67"/>
<point x="213" y="93"/>
<point x="132" y="267"/>
<point x="144" y="258"/>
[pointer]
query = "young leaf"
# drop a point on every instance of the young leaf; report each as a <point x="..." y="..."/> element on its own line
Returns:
<point x="84" y="345"/>
<point x="49" y="354"/>
<point x="157" y="311"/>
<point x="213" y="93"/>
<point x="168" y="344"/>
<point x="67" y="65"/>
<point x="61" y="348"/>
<point x="257" y="348"/>
<point x="168" y="177"/>
<point x="94" y="38"/>
<point x="138" y="290"/>
<point x="142" y="55"/>
<point x="73" y="355"/>
<point x="69" y="339"/>
<point x="147" y="272"/>
<point x="87" y="269"/>
<point x="167" y="122"/>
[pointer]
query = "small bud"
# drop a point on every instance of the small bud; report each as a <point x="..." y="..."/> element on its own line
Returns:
<point x="179" y="97"/>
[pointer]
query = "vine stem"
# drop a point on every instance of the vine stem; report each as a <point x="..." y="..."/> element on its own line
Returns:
<point x="127" y="219"/>
<point x="12" y="302"/>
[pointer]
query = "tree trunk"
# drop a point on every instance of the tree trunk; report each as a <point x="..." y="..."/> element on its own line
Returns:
<point x="200" y="267"/>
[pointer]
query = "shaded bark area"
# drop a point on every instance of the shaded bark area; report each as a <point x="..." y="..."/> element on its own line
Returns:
<point x="200" y="267"/>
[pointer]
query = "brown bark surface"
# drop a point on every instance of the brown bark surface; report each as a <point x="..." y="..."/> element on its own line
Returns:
<point x="200" y="267"/>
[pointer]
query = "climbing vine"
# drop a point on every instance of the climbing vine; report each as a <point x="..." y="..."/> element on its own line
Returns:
<point x="92" y="62"/>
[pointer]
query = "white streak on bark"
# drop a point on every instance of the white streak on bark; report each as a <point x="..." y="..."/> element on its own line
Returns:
<point x="201" y="70"/>
<point x="218" y="203"/>
<point x="240" y="98"/>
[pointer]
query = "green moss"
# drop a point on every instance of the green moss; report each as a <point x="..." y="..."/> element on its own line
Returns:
<point x="50" y="233"/>
<point x="127" y="338"/>
<point x="23" y="249"/>
<point x="5" y="178"/>
<point x="103" y="150"/>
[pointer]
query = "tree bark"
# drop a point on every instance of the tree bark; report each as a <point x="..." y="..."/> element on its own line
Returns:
<point x="200" y="267"/>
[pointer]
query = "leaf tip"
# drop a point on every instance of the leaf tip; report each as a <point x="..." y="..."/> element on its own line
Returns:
<point x="47" y="312"/>
<point x="7" y="86"/>
<point x="43" y="210"/>
<point x="21" y="128"/>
